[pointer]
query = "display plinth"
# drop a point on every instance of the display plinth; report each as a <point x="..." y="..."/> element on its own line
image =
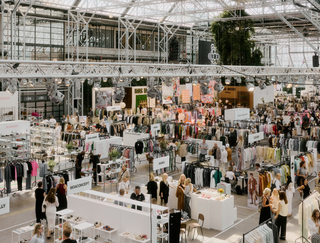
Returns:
<point x="218" y="214"/>
<point x="226" y="187"/>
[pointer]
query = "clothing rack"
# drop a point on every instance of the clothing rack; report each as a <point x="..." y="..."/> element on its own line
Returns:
<point x="269" y="221"/>
<point x="193" y="143"/>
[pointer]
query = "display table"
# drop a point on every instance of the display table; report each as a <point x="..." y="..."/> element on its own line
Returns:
<point x="218" y="214"/>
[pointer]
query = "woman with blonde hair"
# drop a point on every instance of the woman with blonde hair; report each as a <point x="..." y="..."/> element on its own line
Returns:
<point x="274" y="199"/>
<point x="61" y="189"/>
<point x="187" y="196"/>
<point x="164" y="190"/>
<point x="265" y="212"/>
<point x="38" y="236"/>
<point x="314" y="222"/>
<point x="152" y="187"/>
<point x="179" y="192"/>
<point x="49" y="206"/>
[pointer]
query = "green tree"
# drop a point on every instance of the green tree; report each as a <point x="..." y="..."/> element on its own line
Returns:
<point x="233" y="40"/>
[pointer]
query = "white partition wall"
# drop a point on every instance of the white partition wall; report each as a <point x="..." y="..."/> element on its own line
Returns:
<point x="14" y="127"/>
<point x="9" y="103"/>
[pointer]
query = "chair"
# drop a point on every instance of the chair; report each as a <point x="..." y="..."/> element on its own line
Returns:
<point x="197" y="225"/>
<point x="183" y="230"/>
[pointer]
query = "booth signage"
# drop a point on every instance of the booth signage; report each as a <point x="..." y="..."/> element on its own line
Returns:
<point x="4" y="205"/>
<point x="255" y="137"/>
<point x="167" y="102"/>
<point x="242" y="114"/>
<point x="79" y="185"/>
<point x="92" y="137"/>
<point x="155" y="127"/>
<point x="113" y="108"/>
<point x="83" y="120"/>
<point x="160" y="163"/>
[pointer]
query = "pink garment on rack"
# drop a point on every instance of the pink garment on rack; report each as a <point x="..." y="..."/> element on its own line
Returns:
<point x="35" y="166"/>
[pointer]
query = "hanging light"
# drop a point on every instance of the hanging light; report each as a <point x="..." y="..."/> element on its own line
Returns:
<point x="67" y="82"/>
<point x="238" y="80"/>
<point x="218" y="87"/>
<point x="250" y="87"/>
<point x="289" y="85"/>
<point x="228" y="81"/>
<point x="24" y="81"/>
<point x="58" y="80"/>
<point x="262" y="85"/>
<point x="32" y="83"/>
<point x="187" y="80"/>
<point x="105" y="80"/>
<point x="82" y="80"/>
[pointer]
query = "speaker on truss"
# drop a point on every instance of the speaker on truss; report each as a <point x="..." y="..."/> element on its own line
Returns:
<point x="315" y="60"/>
<point x="174" y="49"/>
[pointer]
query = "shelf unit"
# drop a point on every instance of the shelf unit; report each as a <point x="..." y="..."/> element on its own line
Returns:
<point x="132" y="239"/>
<point x="83" y="230"/>
<point x="104" y="235"/>
<point x="13" y="149"/>
<point x="58" y="231"/>
<point x="5" y="116"/>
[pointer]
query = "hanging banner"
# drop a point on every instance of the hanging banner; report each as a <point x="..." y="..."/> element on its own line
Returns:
<point x="103" y="98"/>
<point x="255" y="137"/>
<point x="189" y="87"/>
<point x="167" y="94"/>
<point x="208" y="98"/>
<point x="176" y="87"/>
<point x="4" y="205"/>
<point x="92" y="137"/>
<point x="83" y="120"/>
<point x="113" y="108"/>
<point x="185" y="96"/>
<point x="160" y="163"/>
<point x="196" y="92"/>
<point x="79" y="185"/>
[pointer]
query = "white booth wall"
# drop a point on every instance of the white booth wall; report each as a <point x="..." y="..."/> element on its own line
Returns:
<point x="8" y="103"/>
<point x="267" y="94"/>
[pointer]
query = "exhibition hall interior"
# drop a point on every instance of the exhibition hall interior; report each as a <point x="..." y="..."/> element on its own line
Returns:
<point x="156" y="121"/>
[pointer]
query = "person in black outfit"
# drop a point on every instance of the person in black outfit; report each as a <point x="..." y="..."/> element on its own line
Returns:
<point x="305" y="189"/>
<point x="95" y="160"/>
<point x="152" y="187"/>
<point x="104" y="129"/>
<point x="39" y="194"/>
<point x="265" y="212"/>
<point x="164" y="190"/>
<point x="79" y="160"/>
<point x="66" y="236"/>
<point x="139" y="147"/>
<point x="138" y="196"/>
<point x="86" y="128"/>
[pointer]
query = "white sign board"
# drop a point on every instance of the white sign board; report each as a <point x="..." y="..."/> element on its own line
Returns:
<point x="9" y="103"/>
<point x="237" y="114"/>
<point x="160" y="163"/>
<point x="167" y="102"/>
<point x="92" y="137"/>
<point x="155" y="127"/>
<point x="7" y="128"/>
<point x="102" y="146"/>
<point x="79" y="185"/>
<point x="255" y="137"/>
<point x="113" y="108"/>
<point x="83" y="120"/>
<point x="4" y="205"/>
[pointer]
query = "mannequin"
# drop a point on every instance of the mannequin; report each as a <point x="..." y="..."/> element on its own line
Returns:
<point x="229" y="152"/>
<point x="216" y="152"/>
<point x="224" y="158"/>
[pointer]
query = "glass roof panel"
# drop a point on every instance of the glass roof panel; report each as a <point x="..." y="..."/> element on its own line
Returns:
<point x="57" y="3"/>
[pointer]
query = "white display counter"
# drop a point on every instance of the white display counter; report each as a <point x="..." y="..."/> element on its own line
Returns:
<point x="130" y="138"/>
<point x="102" y="146"/>
<point x="218" y="215"/>
<point x="9" y="127"/>
<point x="124" y="219"/>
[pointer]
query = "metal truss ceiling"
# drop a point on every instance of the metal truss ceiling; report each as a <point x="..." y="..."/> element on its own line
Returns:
<point x="47" y="69"/>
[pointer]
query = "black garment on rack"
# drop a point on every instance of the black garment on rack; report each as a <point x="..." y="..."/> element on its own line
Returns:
<point x="139" y="147"/>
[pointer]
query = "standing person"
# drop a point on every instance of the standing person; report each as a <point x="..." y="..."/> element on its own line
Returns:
<point x="179" y="192"/>
<point x="163" y="144"/>
<point x="39" y="194"/>
<point x="281" y="216"/>
<point x="49" y="206"/>
<point x="289" y="193"/>
<point x="277" y="182"/>
<point x="164" y="190"/>
<point x="38" y="236"/>
<point x="95" y="160"/>
<point x="187" y="190"/>
<point x="52" y="122"/>
<point x="301" y="173"/>
<point x="58" y="130"/>
<point x="69" y="127"/>
<point x="252" y="185"/>
<point x="124" y="173"/>
<point x="233" y="165"/>
<point x="152" y="187"/>
<point x="265" y="212"/>
<point x="231" y="176"/>
<point x="314" y="222"/>
<point x="274" y="199"/>
<point x="183" y="151"/>
<point x="66" y="236"/>
<point x="79" y="160"/>
<point x="305" y="189"/>
<point x="216" y="152"/>
<point x="138" y="196"/>
<point x="316" y="237"/>
<point x="63" y="121"/>
<point x="61" y="190"/>
<point x="203" y="150"/>
<point x="240" y="163"/>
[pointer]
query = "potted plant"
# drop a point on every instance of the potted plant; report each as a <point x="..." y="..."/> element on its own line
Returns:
<point x="114" y="154"/>
<point x="51" y="165"/>
<point x="69" y="146"/>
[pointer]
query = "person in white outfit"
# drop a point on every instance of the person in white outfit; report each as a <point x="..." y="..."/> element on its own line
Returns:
<point x="289" y="193"/>
<point x="49" y="206"/>
<point x="224" y="158"/>
<point x="38" y="236"/>
<point x="314" y="222"/>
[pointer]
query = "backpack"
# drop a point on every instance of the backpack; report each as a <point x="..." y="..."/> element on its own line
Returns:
<point x="238" y="189"/>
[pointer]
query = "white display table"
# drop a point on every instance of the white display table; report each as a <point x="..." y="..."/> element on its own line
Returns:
<point x="218" y="215"/>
